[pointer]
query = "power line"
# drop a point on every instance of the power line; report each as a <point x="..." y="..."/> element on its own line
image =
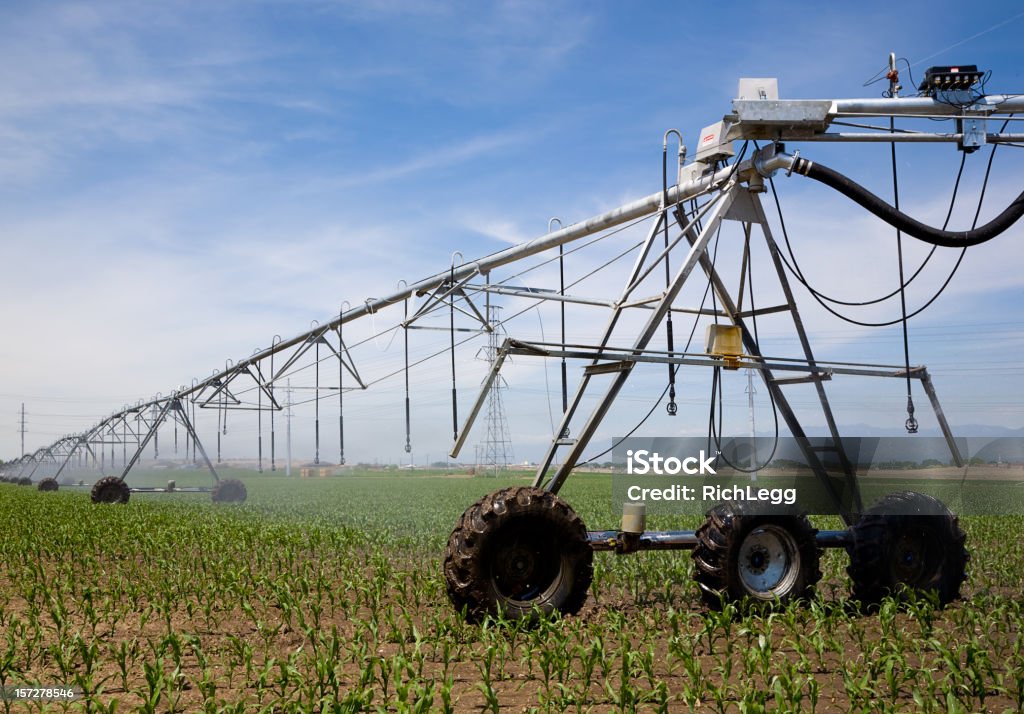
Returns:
<point x="968" y="39"/>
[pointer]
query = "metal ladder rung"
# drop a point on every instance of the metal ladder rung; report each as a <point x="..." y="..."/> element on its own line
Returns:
<point x="764" y="311"/>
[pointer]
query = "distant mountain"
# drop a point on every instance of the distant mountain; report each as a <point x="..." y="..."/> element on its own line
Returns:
<point x="896" y="430"/>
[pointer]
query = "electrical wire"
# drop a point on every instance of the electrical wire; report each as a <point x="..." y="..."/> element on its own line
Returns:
<point x="657" y="402"/>
<point x="717" y="373"/>
<point x="671" y="408"/>
<point x="375" y="336"/>
<point x="796" y="271"/>
<point x="547" y="383"/>
<point x="501" y="322"/>
<point x="911" y="422"/>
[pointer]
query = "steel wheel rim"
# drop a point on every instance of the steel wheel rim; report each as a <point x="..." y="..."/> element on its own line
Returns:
<point x="769" y="561"/>
<point x="914" y="556"/>
<point x="525" y="565"/>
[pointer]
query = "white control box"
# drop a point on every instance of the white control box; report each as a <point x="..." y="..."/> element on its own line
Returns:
<point x="758" y="88"/>
<point x="712" y="144"/>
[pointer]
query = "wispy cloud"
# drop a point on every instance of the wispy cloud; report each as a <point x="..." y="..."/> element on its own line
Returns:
<point x="179" y="182"/>
<point x="441" y="157"/>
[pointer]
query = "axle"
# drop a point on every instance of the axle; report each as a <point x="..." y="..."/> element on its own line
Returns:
<point x="623" y="542"/>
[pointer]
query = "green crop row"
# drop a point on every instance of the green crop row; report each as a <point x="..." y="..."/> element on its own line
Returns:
<point x="327" y="595"/>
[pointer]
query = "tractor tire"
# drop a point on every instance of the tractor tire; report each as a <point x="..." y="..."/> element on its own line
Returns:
<point x="24" y="481"/>
<point x="907" y="541"/>
<point x="516" y="553"/>
<point x="229" y="490"/>
<point x="110" y="489"/>
<point x="48" y="484"/>
<point x="759" y="558"/>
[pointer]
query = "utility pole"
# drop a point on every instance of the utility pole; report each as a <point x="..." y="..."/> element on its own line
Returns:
<point x="23" y="428"/>
<point x="288" y="418"/>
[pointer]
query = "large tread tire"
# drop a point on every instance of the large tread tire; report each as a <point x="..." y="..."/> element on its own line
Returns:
<point x="229" y="490"/>
<point x="517" y="552"/>
<point x="48" y="484"/>
<point x="110" y="489"/>
<point x="24" y="481"/>
<point x="907" y="541"/>
<point x="755" y="557"/>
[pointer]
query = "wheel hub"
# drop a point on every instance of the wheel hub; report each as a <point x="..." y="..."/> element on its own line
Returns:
<point x="524" y="568"/>
<point x="520" y="565"/>
<point x="912" y="557"/>
<point x="769" y="561"/>
<point x="758" y="559"/>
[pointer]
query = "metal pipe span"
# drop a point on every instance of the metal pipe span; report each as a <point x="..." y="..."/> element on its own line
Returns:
<point x="908" y="106"/>
<point x="595" y="224"/>
<point x="610" y="219"/>
<point x="904" y="138"/>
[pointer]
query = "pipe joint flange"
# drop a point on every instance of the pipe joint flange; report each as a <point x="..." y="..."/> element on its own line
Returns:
<point x="792" y="165"/>
<point x="763" y="160"/>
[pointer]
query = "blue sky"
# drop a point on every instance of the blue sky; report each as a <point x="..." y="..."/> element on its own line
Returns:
<point x="181" y="181"/>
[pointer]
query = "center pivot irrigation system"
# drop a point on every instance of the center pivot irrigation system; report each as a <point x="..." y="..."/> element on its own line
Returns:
<point x="523" y="550"/>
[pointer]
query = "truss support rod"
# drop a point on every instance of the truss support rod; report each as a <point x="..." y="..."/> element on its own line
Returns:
<point x="851" y="480"/>
<point x="570" y="411"/>
<point x="485" y="388"/>
<point x="196" y="443"/>
<point x="752" y="348"/>
<point x="81" y="441"/>
<point x="595" y="353"/>
<point x="47" y="454"/>
<point x="31" y="459"/>
<point x="538" y="294"/>
<point x="647" y="333"/>
<point x="646" y="206"/>
<point x="149" y="435"/>
<point x="175" y="404"/>
<point x="639" y="208"/>
<point x="782" y="404"/>
<point x="940" y="415"/>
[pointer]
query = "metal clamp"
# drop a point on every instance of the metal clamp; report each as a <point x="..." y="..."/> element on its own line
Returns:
<point x="796" y="157"/>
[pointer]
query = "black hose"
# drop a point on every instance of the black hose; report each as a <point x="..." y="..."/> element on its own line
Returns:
<point x="903" y="222"/>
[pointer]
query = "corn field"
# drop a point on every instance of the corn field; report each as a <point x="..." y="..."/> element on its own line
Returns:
<point x="328" y="596"/>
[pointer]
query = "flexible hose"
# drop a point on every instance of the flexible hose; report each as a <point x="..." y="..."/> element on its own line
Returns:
<point x="903" y="222"/>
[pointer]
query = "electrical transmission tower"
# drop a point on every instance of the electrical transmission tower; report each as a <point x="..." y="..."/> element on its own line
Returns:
<point x="497" y="446"/>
